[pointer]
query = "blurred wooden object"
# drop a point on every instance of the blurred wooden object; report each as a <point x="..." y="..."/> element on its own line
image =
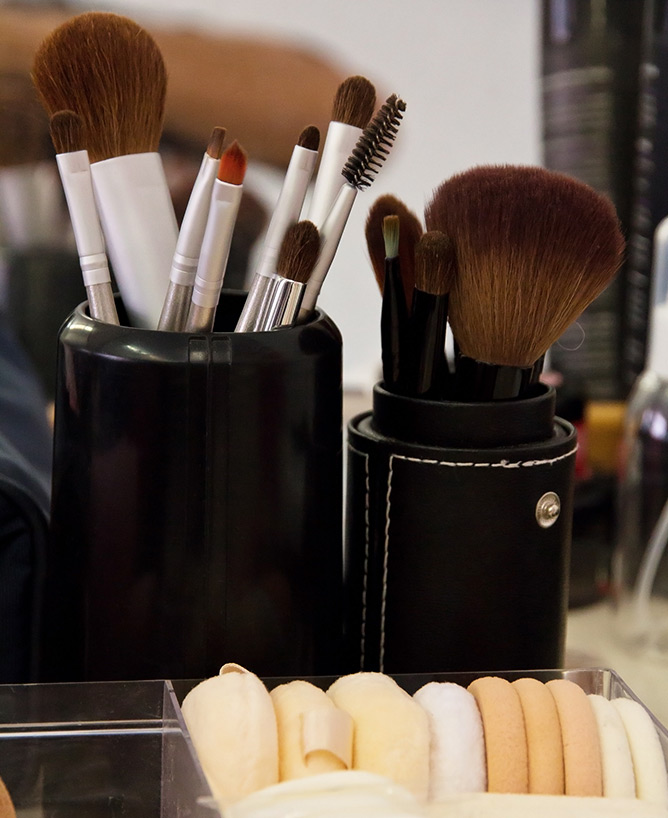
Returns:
<point x="263" y="91"/>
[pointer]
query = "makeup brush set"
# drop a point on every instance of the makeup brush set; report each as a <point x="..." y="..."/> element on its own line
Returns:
<point x="197" y="497"/>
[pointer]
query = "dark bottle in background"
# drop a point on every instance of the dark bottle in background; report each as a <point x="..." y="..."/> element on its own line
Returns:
<point x="590" y="65"/>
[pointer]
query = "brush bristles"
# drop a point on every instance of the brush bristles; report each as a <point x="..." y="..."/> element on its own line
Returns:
<point x="309" y="138"/>
<point x="67" y="132"/>
<point x="534" y="248"/>
<point x="110" y="71"/>
<point x="216" y="142"/>
<point x="233" y="164"/>
<point x="354" y="102"/>
<point x="374" y="144"/>
<point x="410" y="231"/>
<point x="391" y="235"/>
<point x="435" y="263"/>
<point x="299" y="251"/>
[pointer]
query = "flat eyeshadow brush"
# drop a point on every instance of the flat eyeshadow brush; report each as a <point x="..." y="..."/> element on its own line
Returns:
<point x="110" y="71"/>
<point x="534" y="248"/>
<point x="189" y="243"/>
<point x="394" y="312"/>
<point x="368" y="155"/>
<point x="286" y="212"/>
<point x="223" y="210"/>
<point x="68" y="136"/>
<point x="352" y="109"/>
<point x="435" y="271"/>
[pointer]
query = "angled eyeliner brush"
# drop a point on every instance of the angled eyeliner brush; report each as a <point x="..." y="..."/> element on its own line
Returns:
<point x="67" y="134"/>
<point x="189" y="243"/>
<point x="352" y="110"/>
<point x="435" y="271"/>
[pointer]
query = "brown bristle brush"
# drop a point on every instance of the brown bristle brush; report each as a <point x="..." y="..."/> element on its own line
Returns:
<point x="435" y="272"/>
<point x="394" y="311"/>
<point x="410" y="230"/>
<point x="534" y="249"/>
<point x="109" y="70"/>
<point x="352" y="110"/>
<point x="296" y="260"/>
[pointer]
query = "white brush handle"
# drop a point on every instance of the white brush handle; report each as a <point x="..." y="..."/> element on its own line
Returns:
<point x="339" y="143"/>
<point x="330" y="233"/>
<point x="140" y="228"/>
<point x="288" y="206"/>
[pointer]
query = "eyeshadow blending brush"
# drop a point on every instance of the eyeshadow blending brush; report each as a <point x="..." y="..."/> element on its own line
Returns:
<point x="223" y="210"/>
<point x="394" y="311"/>
<point x="68" y="136"/>
<point x="410" y="230"/>
<point x="368" y="155"/>
<point x="352" y="110"/>
<point x="534" y="248"/>
<point x="297" y="257"/>
<point x="184" y="264"/>
<point x="286" y="212"/>
<point x="109" y="70"/>
<point x="435" y="271"/>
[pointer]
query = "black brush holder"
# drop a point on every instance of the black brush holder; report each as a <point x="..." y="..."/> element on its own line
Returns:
<point x="458" y="534"/>
<point x="196" y="510"/>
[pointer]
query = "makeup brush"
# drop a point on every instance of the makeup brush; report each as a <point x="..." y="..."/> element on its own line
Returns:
<point x="184" y="264"/>
<point x="435" y="271"/>
<point x="394" y="312"/>
<point x="368" y="155"/>
<point x="109" y="70"/>
<point x="223" y="210"/>
<point x="534" y="248"/>
<point x="68" y="136"/>
<point x="297" y="257"/>
<point x="286" y="212"/>
<point x="353" y="107"/>
<point x="410" y="230"/>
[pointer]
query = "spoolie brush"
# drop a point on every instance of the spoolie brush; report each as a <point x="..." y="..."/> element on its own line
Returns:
<point x="67" y="133"/>
<point x="394" y="312"/>
<point x="223" y="210"/>
<point x="109" y="70"/>
<point x="184" y="264"/>
<point x="286" y="212"/>
<point x="410" y="230"/>
<point x="352" y="110"/>
<point x="368" y="155"/>
<point x="534" y="248"/>
<point x="297" y="257"/>
<point x="435" y="271"/>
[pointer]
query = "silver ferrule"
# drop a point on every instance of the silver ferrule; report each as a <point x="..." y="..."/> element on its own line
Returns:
<point x="259" y="295"/>
<point x="283" y="307"/>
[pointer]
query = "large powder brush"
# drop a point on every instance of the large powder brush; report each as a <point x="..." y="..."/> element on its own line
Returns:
<point x="534" y="249"/>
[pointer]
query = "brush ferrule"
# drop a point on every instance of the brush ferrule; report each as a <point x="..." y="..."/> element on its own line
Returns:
<point x="288" y="207"/>
<point x="75" y="174"/>
<point x="339" y="143"/>
<point x="183" y="270"/>
<point x="194" y="219"/>
<point x="258" y="297"/>
<point x="95" y="269"/>
<point x="282" y="307"/>
<point x="480" y="381"/>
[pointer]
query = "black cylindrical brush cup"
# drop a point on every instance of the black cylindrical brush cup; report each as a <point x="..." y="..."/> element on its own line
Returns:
<point x="458" y="534"/>
<point x="196" y="514"/>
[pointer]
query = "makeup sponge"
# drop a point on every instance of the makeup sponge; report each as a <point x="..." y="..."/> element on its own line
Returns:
<point x="391" y="729"/>
<point x="314" y="736"/>
<point x="505" y="736"/>
<point x="616" y="762"/>
<point x="543" y="732"/>
<point x="6" y="804"/>
<point x="232" y="724"/>
<point x="648" y="761"/>
<point x="457" y="761"/>
<point x="579" y="734"/>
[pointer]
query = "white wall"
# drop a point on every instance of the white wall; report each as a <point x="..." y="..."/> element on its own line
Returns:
<point x="468" y="70"/>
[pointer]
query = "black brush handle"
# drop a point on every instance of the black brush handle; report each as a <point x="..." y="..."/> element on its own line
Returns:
<point x="428" y="368"/>
<point x="394" y="328"/>
<point x="480" y="381"/>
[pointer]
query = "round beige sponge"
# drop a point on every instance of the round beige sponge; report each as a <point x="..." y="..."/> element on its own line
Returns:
<point x="579" y="733"/>
<point x="505" y="736"/>
<point x="544" y="745"/>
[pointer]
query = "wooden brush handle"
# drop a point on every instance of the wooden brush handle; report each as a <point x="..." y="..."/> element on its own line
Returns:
<point x="263" y="91"/>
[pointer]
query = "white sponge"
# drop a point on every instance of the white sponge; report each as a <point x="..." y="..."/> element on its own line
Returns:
<point x="649" y="763"/>
<point x="457" y="761"/>
<point x="618" y="776"/>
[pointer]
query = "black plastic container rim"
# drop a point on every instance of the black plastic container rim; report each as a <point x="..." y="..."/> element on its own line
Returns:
<point x="457" y="424"/>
